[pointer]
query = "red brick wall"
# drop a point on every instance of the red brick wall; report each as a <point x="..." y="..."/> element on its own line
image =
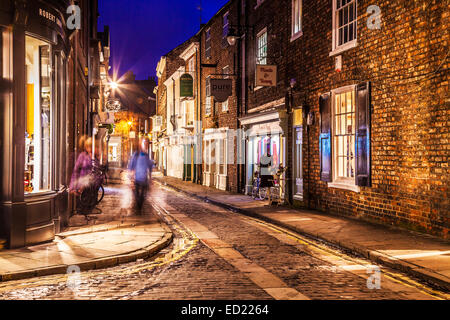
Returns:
<point x="223" y="55"/>
<point x="405" y="63"/>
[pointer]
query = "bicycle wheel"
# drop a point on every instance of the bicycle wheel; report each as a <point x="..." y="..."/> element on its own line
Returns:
<point x="254" y="192"/>
<point x="100" y="194"/>
<point x="262" y="193"/>
<point x="88" y="199"/>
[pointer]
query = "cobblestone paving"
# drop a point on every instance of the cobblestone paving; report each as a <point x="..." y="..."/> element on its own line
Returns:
<point x="201" y="274"/>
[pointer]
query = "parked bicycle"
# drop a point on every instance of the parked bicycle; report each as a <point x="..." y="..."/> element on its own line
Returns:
<point x="258" y="192"/>
<point x="93" y="194"/>
<point x="261" y="185"/>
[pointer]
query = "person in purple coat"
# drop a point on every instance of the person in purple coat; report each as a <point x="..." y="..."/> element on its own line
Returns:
<point x="83" y="166"/>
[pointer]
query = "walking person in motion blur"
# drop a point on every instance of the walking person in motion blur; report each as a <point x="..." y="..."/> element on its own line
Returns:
<point x="83" y="166"/>
<point x="140" y="169"/>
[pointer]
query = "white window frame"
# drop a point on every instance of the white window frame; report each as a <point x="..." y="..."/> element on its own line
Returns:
<point x="222" y="155"/>
<point x="226" y="72"/>
<point x="208" y="43"/>
<point x="297" y="14"/>
<point x="346" y="184"/>
<point x="225" y="25"/>
<point x="207" y="156"/>
<point x="208" y="106"/>
<point x="337" y="49"/>
<point x="258" y="48"/>
<point x="191" y="66"/>
<point x="208" y="100"/>
<point x="208" y="86"/>
<point x="225" y="105"/>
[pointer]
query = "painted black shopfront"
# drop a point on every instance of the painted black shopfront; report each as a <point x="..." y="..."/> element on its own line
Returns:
<point x="33" y="68"/>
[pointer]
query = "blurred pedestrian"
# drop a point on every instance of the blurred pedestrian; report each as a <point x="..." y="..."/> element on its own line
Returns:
<point x="140" y="169"/>
<point x="83" y="167"/>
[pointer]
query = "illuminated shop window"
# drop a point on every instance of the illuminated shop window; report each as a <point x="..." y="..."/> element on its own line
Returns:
<point x="38" y="116"/>
<point x="344" y="136"/>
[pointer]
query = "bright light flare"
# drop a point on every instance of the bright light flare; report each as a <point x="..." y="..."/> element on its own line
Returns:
<point x="113" y="85"/>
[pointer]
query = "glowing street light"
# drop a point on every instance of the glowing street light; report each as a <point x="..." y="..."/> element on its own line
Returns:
<point x="113" y="85"/>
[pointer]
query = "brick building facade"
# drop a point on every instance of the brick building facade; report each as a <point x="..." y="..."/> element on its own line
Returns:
<point x="359" y="110"/>
<point x="169" y="116"/>
<point x="47" y="101"/>
<point x="395" y="80"/>
<point x="220" y="120"/>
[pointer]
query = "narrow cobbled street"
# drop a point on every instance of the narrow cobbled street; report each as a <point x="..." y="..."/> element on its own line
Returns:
<point x="218" y="254"/>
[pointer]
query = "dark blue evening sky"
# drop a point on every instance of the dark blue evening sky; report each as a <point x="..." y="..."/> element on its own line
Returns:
<point x="144" y="30"/>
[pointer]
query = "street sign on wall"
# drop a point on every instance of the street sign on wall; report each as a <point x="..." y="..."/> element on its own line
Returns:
<point x="186" y="85"/>
<point x="112" y="105"/>
<point x="221" y="89"/>
<point x="266" y="76"/>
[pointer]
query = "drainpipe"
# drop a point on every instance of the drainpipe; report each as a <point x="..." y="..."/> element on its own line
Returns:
<point x="173" y="120"/>
<point x="239" y="98"/>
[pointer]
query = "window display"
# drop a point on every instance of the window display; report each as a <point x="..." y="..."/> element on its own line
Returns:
<point x="38" y="116"/>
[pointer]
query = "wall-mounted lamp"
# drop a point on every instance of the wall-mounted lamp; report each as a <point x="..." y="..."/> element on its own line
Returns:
<point x="232" y="36"/>
<point x="235" y="33"/>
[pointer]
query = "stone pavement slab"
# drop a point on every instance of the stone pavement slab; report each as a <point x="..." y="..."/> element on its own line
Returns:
<point x="80" y="249"/>
<point x="420" y="255"/>
<point x="112" y="236"/>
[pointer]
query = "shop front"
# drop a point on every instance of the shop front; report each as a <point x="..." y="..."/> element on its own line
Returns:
<point x="216" y="149"/>
<point x="34" y="49"/>
<point x="265" y="137"/>
<point x="175" y="156"/>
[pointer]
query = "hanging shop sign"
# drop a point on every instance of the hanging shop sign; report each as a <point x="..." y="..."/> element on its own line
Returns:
<point x="221" y="89"/>
<point x="186" y="86"/>
<point x="266" y="76"/>
<point x="113" y="105"/>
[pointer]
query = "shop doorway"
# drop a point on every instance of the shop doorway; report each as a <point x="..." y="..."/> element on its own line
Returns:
<point x="298" y="163"/>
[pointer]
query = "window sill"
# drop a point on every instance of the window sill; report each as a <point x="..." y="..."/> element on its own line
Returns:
<point x="298" y="197"/>
<point x="345" y="186"/>
<point x="344" y="47"/>
<point x="296" y="36"/>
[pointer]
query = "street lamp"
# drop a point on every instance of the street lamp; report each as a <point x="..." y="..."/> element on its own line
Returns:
<point x="113" y="85"/>
<point x="234" y="35"/>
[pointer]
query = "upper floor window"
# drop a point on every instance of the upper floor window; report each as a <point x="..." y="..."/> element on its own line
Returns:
<point x="226" y="72"/>
<point x="191" y="66"/>
<point x="209" y="101"/>
<point x="344" y="24"/>
<point x="226" y="27"/>
<point x="296" y="19"/>
<point x="208" y="43"/>
<point x="208" y="86"/>
<point x="261" y="47"/>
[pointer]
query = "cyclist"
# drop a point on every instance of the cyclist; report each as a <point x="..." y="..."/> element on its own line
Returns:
<point x="141" y="167"/>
